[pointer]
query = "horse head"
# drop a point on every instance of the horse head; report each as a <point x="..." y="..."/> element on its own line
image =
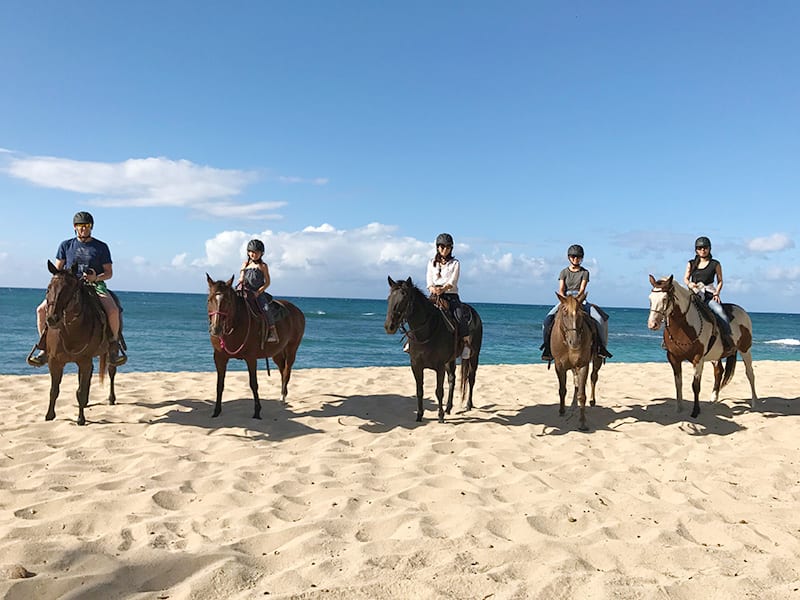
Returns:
<point x="221" y="305"/>
<point x="661" y="299"/>
<point x="571" y="317"/>
<point x="399" y="303"/>
<point x="63" y="290"/>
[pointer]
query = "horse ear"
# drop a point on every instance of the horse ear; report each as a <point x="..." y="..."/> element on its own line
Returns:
<point x="209" y="280"/>
<point x="51" y="267"/>
<point x="391" y="281"/>
<point x="409" y="282"/>
<point x="561" y="298"/>
<point x="652" y="280"/>
<point x="669" y="281"/>
<point x="230" y="281"/>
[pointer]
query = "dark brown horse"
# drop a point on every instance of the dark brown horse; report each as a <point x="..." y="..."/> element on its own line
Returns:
<point x="573" y="350"/>
<point x="432" y="345"/>
<point x="692" y="333"/>
<point x="76" y="332"/>
<point x="237" y="332"/>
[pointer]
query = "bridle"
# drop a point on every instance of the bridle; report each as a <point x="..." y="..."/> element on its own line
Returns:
<point x="74" y="300"/>
<point x="402" y="320"/>
<point x="577" y="329"/>
<point x="669" y="305"/>
<point x="218" y="295"/>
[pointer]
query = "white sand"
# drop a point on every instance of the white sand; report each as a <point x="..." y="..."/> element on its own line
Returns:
<point x="340" y="494"/>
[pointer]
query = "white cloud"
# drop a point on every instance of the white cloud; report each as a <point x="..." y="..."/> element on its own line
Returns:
<point x="771" y="243"/>
<point x="147" y="182"/>
<point x="179" y="260"/>
<point x="312" y="181"/>
<point x="783" y="274"/>
<point x="322" y="260"/>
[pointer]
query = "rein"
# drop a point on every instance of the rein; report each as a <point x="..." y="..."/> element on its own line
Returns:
<point x="665" y="313"/>
<point x="409" y="331"/>
<point x="221" y="337"/>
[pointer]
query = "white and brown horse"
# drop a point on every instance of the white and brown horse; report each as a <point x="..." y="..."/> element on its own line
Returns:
<point x="692" y="333"/>
<point x="573" y="350"/>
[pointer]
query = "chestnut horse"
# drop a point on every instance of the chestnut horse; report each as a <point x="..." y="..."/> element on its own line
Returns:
<point x="76" y="332"/>
<point x="692" y="333"/>
<point x="432" y="345"/>
<point x="237" y="332"/>
<point x="573" y="349"/>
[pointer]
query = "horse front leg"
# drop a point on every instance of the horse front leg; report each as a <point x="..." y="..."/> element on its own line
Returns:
<point x="451" y="381"/>
<point x="698" y="373"/>
<point x="221" y="362"/>
<point x="252" y="369"/>
<point x="420" y="380"/>
<point x="580" y="390"/>
<point x="676" y="374"/>
<point x="85" y="369"/>
<point x="56" y="374"/>
<point x="561" y="373"/>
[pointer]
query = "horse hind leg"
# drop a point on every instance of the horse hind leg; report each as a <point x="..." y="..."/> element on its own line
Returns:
<point x="419" y="379"/>
<point x="698" y="375"/>
<point x="440" y="393"/>
<point x="747" y="358"/>
<point x="597" y="362"/>
<point x="112" y="396"/>
<point x="451" y="385"/>
<point x="252" y="370"/>
<point x="718" y="371"/>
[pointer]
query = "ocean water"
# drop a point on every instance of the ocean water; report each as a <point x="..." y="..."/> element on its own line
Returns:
<point x="169" y="332"/>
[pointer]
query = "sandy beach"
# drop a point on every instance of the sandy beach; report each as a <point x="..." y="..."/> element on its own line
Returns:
<point x="339" y="493"/>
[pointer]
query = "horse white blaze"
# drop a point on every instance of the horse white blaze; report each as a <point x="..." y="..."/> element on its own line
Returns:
<point x="658" y="308"/>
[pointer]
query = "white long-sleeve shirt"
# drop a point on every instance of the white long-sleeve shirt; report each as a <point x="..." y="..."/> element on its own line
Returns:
<point x="441" y="274"/>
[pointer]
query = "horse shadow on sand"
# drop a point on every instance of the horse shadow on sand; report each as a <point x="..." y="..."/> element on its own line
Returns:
<point x="381" y="413"/>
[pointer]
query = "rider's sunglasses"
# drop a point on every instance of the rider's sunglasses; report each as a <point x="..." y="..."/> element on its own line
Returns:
<point x="445" y="246"/>
<point x="701" y="247"/>
<point x="575" y="256"/>
<point x="83" y="224"/>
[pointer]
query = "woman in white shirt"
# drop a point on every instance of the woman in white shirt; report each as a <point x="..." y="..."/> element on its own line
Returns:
<point x="442" y="280"/>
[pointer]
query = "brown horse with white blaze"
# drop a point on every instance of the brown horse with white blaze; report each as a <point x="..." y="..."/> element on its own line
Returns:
<point x="236" y="332"/>
<point x="691" y="333"/>
<point x="573" y="349"/>
<point x="77" y="331"/>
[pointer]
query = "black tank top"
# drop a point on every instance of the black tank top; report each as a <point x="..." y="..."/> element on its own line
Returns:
<point x="706" y="274"/>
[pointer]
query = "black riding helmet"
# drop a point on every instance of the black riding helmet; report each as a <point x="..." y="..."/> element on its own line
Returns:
<point x="82" y="218"/>
<point x="702" y="242"/>
<point x="444" y="239"/>
<point x="575" y="250"/>
<point x="255" y="246"/>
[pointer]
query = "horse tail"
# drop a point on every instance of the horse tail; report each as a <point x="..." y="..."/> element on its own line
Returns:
<point x="466" y="373"/>
<point x="103" y="367"/>
<point x="730" y="368"/>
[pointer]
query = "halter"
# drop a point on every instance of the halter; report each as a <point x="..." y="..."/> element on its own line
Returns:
<point x="670" y="303"/>
<point x="403" y="321"/>
<point x="221" y="337"/>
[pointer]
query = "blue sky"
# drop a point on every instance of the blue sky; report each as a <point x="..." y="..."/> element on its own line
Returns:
<point x="347" y="135"/>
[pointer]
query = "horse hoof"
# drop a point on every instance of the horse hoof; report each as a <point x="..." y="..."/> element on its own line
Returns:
<point x="215" y="415"/>
<point x="583" y="428"/>
<point x="419" y="418"/>
<point x="49" y="417"/>
<point x="561" y="411"/>
<point x="81" y="422"/>
<point x="257" y="417"/>
<point x="591" y="403"/>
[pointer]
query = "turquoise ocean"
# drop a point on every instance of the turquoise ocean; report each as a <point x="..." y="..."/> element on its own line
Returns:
<point x="169" y="332"/>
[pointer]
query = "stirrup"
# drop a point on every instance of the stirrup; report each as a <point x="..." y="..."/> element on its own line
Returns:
<point x="466" y="353"/>
<point x="39" y="360"/>
<point x="116" y="356"/>
<point x="272" y="337"/>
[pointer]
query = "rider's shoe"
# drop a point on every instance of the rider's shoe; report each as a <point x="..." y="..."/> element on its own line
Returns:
<point x="272" y="338"/>
<point x="728" y="347"/>
<point x="37" y="357"/>
<point x="116" y="356"/>
<point x="547" y="356"/>
<point x="406" y="346"/>
<point x="603" y="351"/>
<point x="466" y="353"/>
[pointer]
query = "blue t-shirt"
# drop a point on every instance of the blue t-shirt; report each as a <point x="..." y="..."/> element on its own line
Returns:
<point x="92" y="254"/>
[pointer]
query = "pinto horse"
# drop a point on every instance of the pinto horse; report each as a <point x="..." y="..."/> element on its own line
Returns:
<point x="573" y="349"/>
<point x="76" y="332"/>
<point x="692" y="333"/>
<point x="236" y="332"/>
<point x="432" y="345"/>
